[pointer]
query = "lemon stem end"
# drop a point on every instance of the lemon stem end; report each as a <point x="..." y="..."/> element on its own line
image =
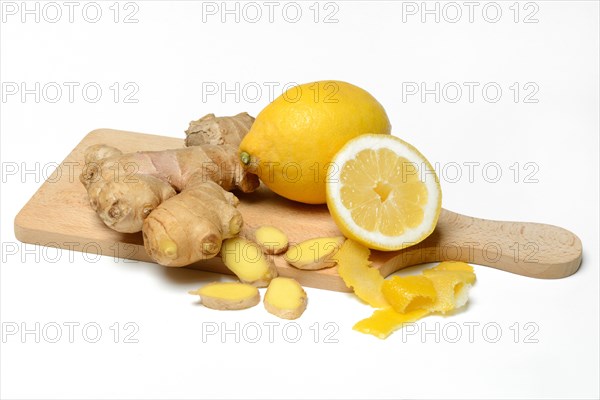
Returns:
<point x="245" y="158"/>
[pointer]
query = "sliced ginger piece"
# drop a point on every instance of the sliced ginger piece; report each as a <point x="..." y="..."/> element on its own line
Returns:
<point x="285" y="298"/>
<point x="271" y="240"/>
<point x="314" y="254"/>
<point x="247" y="261"/>
<point x="409" y="293"/>
<point x="228" y="295"/>
<point x="385" y="321"/>
<point x="353" y="267"/>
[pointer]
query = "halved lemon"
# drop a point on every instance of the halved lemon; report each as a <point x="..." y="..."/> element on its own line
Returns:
<point x="383" y="193"/>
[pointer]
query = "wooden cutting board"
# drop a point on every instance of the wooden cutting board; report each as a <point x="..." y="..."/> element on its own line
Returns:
<point x="58" y="215"/>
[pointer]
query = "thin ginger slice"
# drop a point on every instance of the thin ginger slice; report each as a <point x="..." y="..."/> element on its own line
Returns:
<point x="409" y="293"/>
<point x="248" y="262"/>
<point x="271" y="239"/>
<point x="385" y="321"/>
<point x="353" y="267"/>
<point x="228" y="295"/>
<point x="285" y="298"/>
<point x="314" y="254"/>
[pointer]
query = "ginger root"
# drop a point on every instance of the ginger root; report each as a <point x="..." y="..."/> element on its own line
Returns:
<point x="285" y="298"/>
<point x="228" y="295"/>
<point x="247" y="261"/>
<point x="314" y="254"/>
<point x="218" y="130"/>
<point x="178" y="198"/>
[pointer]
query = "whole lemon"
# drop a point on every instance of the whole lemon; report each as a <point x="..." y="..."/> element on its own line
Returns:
<point x="293" y="140"/>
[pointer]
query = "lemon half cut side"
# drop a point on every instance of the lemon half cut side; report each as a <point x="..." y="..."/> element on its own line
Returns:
<point x="383" y="193"/>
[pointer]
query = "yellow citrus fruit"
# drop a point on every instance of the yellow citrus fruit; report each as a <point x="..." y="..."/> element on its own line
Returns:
<point x="293" y="139"/>
<point x="383" y="193"/>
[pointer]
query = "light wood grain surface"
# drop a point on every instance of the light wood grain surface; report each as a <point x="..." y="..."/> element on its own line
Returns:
<point x="58" y="215"/>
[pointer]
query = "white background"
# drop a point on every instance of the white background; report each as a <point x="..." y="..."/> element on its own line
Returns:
<point x="171" y="55"/>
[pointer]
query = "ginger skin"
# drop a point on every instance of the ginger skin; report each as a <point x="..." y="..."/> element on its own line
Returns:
<point x="178" y="198"/>
<point x="218" y="130"/>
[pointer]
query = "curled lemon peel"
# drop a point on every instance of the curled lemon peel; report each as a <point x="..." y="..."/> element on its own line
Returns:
<point x="353" y="267"/>
<point x="402" y="300"/>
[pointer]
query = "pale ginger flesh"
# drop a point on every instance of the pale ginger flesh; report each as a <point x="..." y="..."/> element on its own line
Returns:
<point x="314" y="254"/>
<point x="285" y="298"/>
<point x="271" y="240"/>
<point x="228" y="295"/>
<point x="247" y="261"/>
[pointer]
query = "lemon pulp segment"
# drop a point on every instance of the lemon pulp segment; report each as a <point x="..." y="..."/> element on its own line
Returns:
<point x="383" y="192"/>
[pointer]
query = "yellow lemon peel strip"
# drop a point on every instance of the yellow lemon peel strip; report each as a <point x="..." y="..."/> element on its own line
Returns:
<point x="353" y="266"/>
<point x="452" y="266"/>
<point x="452" y="288"/>
<point x="450" y="282"/>
<point x="409" y="293"/>
<point x="385" y="321"/>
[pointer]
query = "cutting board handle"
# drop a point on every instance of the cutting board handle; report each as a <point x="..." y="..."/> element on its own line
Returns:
<point x="524" y="248"/>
